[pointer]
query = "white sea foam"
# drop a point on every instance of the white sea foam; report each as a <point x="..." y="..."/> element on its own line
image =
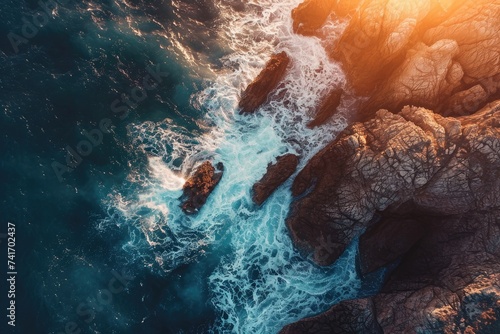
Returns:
<point x="261" y="283"/>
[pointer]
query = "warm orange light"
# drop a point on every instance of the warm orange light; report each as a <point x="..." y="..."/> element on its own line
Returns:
<point x="446" y="4"/>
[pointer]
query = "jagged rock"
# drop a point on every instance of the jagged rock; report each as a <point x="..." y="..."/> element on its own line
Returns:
<point x="435" y="181"/>
<point x="276" y="174"/>
<point x="327" y="108"/>
<point x="474" y="26"/>
<point x="268" y="79"/>
<point x="426" y="77"/>
<point x="420" y="53"/>
<point x="412" y="52"/>
<point x="199" y="186"/>
<point x="444" y="165"/>
<point x="373" y="40"/>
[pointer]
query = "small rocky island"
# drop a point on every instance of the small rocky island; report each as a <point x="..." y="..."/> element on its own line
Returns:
<point x="200" y="185"/>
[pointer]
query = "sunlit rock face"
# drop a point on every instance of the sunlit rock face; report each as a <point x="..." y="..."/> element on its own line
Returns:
<point x="268" y="79"/>
<point x="417" y="52"/>
<point x="426" y="77"/>
<point x="310" y="15"/>
<point x="474" y="26"/>
<point x="461" y="51"/>
<point x="378" y="33"/>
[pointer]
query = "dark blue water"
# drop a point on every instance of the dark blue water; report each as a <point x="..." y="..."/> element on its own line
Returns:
<point x="102" y="246"/>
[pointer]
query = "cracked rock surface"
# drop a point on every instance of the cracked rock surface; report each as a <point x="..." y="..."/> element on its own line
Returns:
<point x="426" y="189"/>
<point x="419" y="189"/>
<point x="442" y="165"/>
<point x="448" y="283"/>
<point x="414" y="52"/>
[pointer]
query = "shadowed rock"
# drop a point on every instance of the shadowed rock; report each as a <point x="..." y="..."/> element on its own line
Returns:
<point x="389" y="240"/>
<point x="448" y="283"/>
<point x="355" y="316"/>
<point x="199" y="186"/>
<point x="327" y="108"/>
<point x="268" y="79"/>
<point x="276" y="174"/>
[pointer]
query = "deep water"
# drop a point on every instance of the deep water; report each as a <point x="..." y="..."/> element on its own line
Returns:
<point x="231" y="268"/>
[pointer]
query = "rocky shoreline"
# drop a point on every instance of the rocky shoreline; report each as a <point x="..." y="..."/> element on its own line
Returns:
<point x="417" y="179"/>
<point x="416" y="176"/>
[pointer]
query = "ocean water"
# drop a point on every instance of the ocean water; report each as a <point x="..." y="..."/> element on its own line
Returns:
<point x="114" y="219"/>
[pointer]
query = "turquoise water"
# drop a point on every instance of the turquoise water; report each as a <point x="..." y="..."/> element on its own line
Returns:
<point x="229" y="269"/>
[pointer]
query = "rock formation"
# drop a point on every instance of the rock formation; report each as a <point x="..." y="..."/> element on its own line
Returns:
<point x="426" y="189"/>
<point x="441" y="165"/>
<point x="310" y="15"/>
<point x="199" y="186"/>
<point x="276" y="174"/>
<point x="257" y="92"/>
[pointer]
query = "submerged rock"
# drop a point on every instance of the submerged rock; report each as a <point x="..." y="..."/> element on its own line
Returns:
<point x="268" y="79"/>
<point x="327" y="108"/>
<point x="199" y="186"/>
<point x="276" y="174"/>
